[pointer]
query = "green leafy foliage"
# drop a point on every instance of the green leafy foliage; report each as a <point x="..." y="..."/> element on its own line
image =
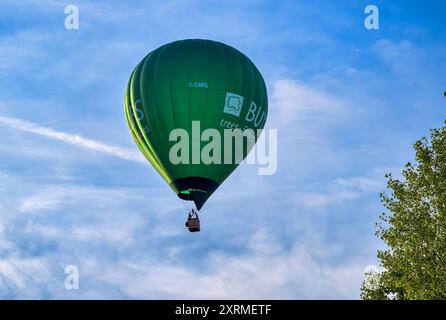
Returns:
<point x="414" y="228"/>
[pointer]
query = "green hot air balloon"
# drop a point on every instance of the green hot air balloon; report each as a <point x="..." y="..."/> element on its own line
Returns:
<point x="193" y="85"/>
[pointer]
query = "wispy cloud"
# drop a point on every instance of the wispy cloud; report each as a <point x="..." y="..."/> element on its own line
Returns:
<point x="297" y="101"/>
<point x="345" y="189"/>
<point x="72" y="139"/>
<point x="266" y="266"/>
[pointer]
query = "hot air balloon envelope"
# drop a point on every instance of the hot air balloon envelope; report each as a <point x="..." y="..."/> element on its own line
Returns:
<point x="190" y="83"/>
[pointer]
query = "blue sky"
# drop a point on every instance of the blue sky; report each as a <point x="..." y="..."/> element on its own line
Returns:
<point x="347" y="102"/>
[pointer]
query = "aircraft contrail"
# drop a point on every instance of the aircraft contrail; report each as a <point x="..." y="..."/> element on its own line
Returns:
<point x="72" y="139"/>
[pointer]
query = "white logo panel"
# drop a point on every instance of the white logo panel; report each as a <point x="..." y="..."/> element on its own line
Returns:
<point x="233" y="104"/>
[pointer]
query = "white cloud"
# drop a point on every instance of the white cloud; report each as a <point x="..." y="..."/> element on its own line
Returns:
<point x="307" y="117"/>
<point x="38" y="203"/>
<point x="364" y="183"/>
<point x="72" y="139"/>
<point x="392" y="51"/>
<point x="345" y="189"/>
<point x="296" y="101"/>
<point x="285" y="275"/>
<point x="131" y="243"/>
<point x="335" y="196"/>
<point x="256" y="274"/>
<point x="407" y="61"/>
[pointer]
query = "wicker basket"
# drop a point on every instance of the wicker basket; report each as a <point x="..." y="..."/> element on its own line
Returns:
<point x="193" y="224"/>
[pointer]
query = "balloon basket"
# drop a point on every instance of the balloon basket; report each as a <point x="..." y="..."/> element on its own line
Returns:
<point x="193" y="224"/>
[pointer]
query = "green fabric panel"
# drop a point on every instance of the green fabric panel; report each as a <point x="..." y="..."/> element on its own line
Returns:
<point x="132" y="126"/>
<point x="156" y="136"/>
<point x="139" y="139"/>
<point x="141" y="124"/>
<point x="148" y="121"/>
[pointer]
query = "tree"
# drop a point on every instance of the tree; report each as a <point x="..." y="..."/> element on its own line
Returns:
<point x="414" y="228"/>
